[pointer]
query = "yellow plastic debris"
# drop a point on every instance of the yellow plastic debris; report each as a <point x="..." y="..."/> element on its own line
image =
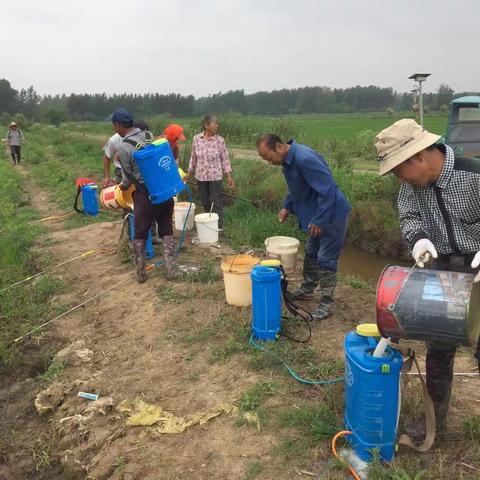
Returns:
<point x="145" y="414"/>
<point x="252" y="419"/>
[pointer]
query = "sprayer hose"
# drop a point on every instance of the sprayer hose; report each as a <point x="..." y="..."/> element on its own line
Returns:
<point x="335" y="454"/>
<point x="291" y="371"/>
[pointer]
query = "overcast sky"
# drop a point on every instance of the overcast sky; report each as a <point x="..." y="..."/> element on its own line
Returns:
<point x="190" y="46"/>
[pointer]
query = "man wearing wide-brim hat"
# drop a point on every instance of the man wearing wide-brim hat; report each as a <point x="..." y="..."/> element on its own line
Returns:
<point x="439" y="207"/>
<point x="14" y="138"/>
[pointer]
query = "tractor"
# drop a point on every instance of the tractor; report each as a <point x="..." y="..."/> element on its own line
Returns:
<point x="463" y="130"/>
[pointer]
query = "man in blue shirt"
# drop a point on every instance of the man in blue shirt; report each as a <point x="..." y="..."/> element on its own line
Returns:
<point x="322" y="211"/>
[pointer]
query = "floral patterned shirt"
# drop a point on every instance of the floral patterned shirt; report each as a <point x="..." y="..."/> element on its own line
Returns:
<point x="209" y="160"/>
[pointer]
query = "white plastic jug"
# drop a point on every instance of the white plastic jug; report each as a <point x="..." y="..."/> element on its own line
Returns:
<point x="207" y="227"/>
<point x="180" y="213"/>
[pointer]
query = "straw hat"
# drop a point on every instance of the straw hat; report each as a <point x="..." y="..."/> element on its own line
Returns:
<point x="401" y="141"/>
<point x="13" y="124"/>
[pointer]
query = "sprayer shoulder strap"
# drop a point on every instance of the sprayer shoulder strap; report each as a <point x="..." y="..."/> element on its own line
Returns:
<point x="139" y="146"/>
<point x="430" y="429"/>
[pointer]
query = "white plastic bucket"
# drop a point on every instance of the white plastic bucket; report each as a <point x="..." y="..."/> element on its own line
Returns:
<point x="207" y="227"/>
<point x="284" y="249"/>
<point x="180" y="213"/>
<point x="236" y="276"/>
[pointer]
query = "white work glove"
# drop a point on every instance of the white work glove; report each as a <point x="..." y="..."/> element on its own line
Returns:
<point x="476" y="264"/>
<point x="423" y="250"/>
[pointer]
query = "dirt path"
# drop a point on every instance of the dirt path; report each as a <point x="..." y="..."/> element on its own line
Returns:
<point x="168" y="344"/>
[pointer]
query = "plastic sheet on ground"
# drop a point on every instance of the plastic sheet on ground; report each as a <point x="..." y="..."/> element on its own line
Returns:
<point x="141" y="413"/>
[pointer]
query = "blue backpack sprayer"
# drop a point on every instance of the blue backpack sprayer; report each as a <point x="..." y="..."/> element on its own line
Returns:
<point x="269" y="287"/>
<point x="162" y="178"/>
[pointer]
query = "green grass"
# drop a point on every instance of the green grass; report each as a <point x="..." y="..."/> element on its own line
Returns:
<point x="23" y="307"/>
<point x="54" y="370"/>
<point x="254" y="469"/>
<point x="206" y="273"/>
<point x="344" y="126"/>
<point x="254" y="397"/>
<point x="57" y="157"/>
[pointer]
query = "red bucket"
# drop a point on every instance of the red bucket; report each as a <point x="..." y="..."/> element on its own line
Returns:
<point x="428" y="305"/>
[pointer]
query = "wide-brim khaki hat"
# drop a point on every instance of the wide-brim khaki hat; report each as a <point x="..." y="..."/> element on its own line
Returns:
<point x="13" y="124"/>
<point x="401" y="141"/>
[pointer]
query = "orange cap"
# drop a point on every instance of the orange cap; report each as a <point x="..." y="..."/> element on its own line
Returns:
<point x="174" y="133"/>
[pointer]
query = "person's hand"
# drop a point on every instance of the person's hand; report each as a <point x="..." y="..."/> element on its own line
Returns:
<point x="314" y="230"/>
<point x="108" y="182"/>
<point x="231" y="183"/>
<point x="423" y="250"/>
<point x="476" y="264"/>
<point x="283" y="215"/>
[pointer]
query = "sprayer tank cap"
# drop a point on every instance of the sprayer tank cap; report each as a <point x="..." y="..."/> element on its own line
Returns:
<point x="368" y="330"/>
<point x="271" y="263"/>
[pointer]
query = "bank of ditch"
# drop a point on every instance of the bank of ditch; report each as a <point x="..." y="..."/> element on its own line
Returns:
<point x="60" y="155"/>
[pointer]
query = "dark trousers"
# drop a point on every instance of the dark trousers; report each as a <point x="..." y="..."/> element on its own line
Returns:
<point x="440" y="358"/>
<point x="326" y="248"/>
<point x="146" y="212"/>
<point x="15" y="152"/>
<point x="211" y="192"/>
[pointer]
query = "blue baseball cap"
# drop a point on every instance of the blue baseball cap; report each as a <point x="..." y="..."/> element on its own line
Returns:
<point x="123" y="117"/>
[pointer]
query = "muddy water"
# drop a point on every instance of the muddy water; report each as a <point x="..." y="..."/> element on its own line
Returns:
<point x="364" y="265"/>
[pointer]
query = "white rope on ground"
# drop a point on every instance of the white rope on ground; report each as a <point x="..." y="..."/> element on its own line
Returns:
<point x="76" y="307"/>
<point x="83" y="255"/>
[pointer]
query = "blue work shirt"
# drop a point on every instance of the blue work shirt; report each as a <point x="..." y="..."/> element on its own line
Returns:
<point x="313" y="195"/>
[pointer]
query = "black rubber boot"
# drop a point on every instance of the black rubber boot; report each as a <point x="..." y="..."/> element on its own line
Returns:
<point x="140" y="260"/>
<point x="311" y="279"/>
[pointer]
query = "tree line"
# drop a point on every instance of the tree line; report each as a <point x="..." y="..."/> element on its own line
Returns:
<point x="306" y="100"/>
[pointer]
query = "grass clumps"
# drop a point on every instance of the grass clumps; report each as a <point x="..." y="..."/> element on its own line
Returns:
<point x="53" y="368"/>
<point x="22" y="307"/>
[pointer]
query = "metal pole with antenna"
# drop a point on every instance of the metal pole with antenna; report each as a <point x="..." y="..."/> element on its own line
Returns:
<point x="420" y="77"/>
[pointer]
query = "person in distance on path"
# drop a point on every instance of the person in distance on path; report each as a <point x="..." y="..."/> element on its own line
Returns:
<point x="14" y="138"/>
<point x="321" y="209"/>
<point x="439" y="205"/>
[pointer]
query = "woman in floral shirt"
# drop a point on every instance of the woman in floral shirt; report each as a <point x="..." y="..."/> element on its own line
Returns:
<point x="209" y="163"/>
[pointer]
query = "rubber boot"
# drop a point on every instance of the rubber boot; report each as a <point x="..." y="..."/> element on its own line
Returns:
<point x="169" y="256"/>
<point x="439" y="364"/>
<point x="311" y="279"/>
<point x="417" y="430"/>
<point x="140" y="260"/>
<point x="328" y="282"/>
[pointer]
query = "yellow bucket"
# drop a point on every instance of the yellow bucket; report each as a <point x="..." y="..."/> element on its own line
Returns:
<point x="236" y="277"/>
<point x="113" y="198"/>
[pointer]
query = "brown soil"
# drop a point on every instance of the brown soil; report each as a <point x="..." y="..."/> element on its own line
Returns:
<point x="139" y="351"/>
